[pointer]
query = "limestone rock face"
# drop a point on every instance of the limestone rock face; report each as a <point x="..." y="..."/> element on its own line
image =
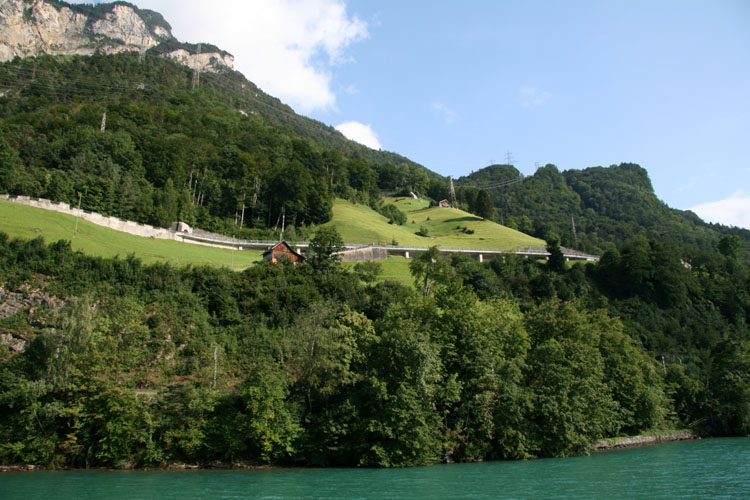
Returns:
<point x="29" y="29"/>
<point x="124" y="24"/>
<point x="35" y="27"/>
<point x="209" y="61"/>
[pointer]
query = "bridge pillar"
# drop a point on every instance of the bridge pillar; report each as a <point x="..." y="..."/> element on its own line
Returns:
<point x="406" y="254"/>
<point x="481" y="258"/>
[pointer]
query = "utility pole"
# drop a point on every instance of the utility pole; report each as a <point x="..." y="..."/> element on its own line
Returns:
<point x="575" y="236"/>
<point x="257" y="187"/>
<point x="454" y="203"/>
<point x="103" y="126"/>
<point x="255" y="195"/>
<point x="196" y="70"/>
<point x="78" y="214"/>
<point x="509" y="160"/>
<point x="216" y="362"/>
<point x="242" y="217"/>
<point x="283" y="220"/>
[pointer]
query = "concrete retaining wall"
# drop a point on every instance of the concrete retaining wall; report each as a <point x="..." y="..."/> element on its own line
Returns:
<point x="364" y="254"/>
<point x="115" y="223"/>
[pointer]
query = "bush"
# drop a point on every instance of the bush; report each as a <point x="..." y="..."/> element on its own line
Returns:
<point x="393" y="214"/>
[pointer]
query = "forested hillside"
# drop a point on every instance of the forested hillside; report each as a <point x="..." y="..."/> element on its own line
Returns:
<point x="113" y="363"/>
<point x="607" y="206"/>
<point x="171" y="152"/>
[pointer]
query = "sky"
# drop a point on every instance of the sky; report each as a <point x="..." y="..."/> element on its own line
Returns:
<point x="457" y="86"/>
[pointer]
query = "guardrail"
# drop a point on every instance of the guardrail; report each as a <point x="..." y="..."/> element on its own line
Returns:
<point x="240" y="244"/>
<point x="407" y="250"/>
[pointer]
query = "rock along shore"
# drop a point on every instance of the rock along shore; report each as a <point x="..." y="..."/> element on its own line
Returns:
<point x="627" y="442"/>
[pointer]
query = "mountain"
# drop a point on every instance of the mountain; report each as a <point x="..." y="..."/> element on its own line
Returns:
<point x="102" y="105"/>
<point x="607" y="206"/>
<point x="124" y="61"/>
<point x="110" y="362"/>
<point x="32" y="28"/>
<point x="138" y="139"/>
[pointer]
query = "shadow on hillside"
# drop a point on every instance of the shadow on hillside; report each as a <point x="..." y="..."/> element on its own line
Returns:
<point x="468" y="218"/>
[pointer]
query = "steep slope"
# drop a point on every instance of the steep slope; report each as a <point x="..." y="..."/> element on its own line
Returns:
<point x="133" y="136"/>
<point x="27" y="223"/>
<point x="51" y="27"/>
<point x="445" y="227"/>
<point x="33" y="28"/>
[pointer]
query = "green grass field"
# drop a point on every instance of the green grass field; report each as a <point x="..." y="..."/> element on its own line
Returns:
<point x="396" y="269"/>
<point x="393" y="269"/>
<point x="446" y="227"/>
<point x="21" y="221"/>
<point x="356" y="223"/>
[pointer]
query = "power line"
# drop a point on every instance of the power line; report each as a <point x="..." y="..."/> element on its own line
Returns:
<point x="496" y="185"/>
<point x="87" y="87"/>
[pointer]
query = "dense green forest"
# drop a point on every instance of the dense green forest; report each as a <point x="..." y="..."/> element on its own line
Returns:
<point x="132" y="365"/>
<point x="170" y="152"/>
<point x="110" y="362"/>
<point x="607" y="205"/>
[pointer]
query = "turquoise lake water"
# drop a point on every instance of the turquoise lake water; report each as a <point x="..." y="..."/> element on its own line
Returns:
<point x="715" y="469"/>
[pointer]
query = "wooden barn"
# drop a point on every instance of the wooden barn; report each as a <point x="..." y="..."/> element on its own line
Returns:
<point x="283" y="250"/>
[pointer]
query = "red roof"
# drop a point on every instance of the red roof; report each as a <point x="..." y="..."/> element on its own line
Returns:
<point x="282" y="248"/>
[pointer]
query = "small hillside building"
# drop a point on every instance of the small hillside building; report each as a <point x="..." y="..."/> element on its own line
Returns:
<point x="444" y="204"/>
<point x="283" y="250"/>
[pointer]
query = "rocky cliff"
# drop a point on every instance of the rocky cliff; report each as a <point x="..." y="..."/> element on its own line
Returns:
<point x="35" y="27"/>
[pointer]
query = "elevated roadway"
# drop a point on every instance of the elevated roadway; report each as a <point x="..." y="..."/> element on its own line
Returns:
<point x="481" y="254"/>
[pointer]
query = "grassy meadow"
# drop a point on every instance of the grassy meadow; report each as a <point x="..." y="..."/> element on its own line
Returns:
<point x="21" y="221"/>
<point x="396" y="269"/>
<point x="446" y="227"/>
<point x="393" y="269"/>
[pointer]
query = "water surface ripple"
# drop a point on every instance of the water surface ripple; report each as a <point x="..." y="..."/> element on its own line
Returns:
<point x="715" y="469"/>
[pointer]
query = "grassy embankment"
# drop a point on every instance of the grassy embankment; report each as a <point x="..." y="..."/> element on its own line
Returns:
<point x="446" y="227"/>
<point x="21" y="221"/>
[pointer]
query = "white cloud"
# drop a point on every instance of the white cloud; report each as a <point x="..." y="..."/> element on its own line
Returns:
<point x="733" y="211"/>
<point x="532" y="96"/>
<point x="360" y="133"/>
<point x="445" y="113"/>
<point x="287" y="47"/>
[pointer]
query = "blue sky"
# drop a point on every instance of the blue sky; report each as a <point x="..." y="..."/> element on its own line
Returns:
<point x="458" y="85"/>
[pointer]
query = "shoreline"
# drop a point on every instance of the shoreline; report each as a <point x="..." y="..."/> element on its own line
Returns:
<point x="165" y="468"/>
<point x="633" y="441"/>
<point x="600" y="446"/>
